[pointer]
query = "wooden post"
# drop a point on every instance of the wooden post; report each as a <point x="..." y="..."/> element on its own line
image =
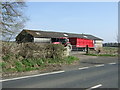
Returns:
<point x="86" y="49"/>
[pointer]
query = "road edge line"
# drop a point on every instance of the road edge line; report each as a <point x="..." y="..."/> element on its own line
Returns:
<point x="83" y="68"/>
<point x="32" y="76"/>
<point x="99" y="65"/>
<point x="96" y="86"/>
<point x="111" y="63"/>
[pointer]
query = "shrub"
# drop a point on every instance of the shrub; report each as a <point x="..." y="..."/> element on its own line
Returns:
<point x="32" y="50"/>
<point x="26" y="63"/>
<point x="30" y="56"/>
<point x="6" y="48"/>
<point x="39" y="62"/>
<point x="55" y="51"/>
<point x="5" y="66"/>
<point x="26" y="50"/>
<point x="6" y="57"/>
<point x="18" y="66"/>
<point x="10" y="48"/>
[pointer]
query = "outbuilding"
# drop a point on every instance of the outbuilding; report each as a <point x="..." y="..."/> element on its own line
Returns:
<point x="76" y="40"/>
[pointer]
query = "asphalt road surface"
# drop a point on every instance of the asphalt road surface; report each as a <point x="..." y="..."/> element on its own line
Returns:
<point x="96" y="76"/>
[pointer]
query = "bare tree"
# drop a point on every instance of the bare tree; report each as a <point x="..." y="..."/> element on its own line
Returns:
<point x="12" y="18"/>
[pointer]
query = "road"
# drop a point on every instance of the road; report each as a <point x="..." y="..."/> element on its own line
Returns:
<point x="96" y="76"/>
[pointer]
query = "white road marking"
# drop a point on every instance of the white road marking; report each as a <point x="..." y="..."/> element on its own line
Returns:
<point x="94" y="87"/>
<point x="83" y="68"/>
<point x="32" y="76"/>
<point x="112" y="63"/>
<point x="99" y="65"/>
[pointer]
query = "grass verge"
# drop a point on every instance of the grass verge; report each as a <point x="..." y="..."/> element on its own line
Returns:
<point x="34" y="64"/>
<point x="101" y="55"/>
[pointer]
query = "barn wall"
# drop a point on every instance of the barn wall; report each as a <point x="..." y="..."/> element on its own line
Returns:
<point x="83" y="42"/>
<point x="80" y="42"/>
<point x="42" y="40"/>
<point x="24" y="37"/>
<point x="98" y="44"/>
<point x="73" y="41"/>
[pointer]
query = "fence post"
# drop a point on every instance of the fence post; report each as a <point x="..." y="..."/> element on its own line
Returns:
<point x="86" y="49"/>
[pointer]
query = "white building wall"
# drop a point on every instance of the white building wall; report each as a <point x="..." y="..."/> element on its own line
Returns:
<point x="42" y="40"/>
<point x="98" y="44"/>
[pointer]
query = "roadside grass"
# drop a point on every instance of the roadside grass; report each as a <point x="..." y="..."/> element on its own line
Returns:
<point x="71" y="59"/>
<point x="33" y="64"/>
<point x="112" y="55"/>
<point x="105" y="51"/>
<point x="110" y="48"/>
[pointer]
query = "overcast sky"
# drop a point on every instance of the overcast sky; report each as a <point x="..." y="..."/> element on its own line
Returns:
<point x="97" y="18"/>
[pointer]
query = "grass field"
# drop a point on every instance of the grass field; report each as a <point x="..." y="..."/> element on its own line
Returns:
<point x="105" y="51"/>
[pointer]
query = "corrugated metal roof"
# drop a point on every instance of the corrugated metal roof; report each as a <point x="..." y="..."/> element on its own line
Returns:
<point x="51" y="34"/>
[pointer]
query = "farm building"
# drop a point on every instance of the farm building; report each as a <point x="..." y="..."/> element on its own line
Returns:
<point x="76" y="40"/>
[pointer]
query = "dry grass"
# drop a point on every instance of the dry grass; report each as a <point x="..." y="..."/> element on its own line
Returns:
<point x="106" y="50"/>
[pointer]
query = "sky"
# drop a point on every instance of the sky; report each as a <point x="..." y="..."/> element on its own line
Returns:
<point x="96" y="18"/>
